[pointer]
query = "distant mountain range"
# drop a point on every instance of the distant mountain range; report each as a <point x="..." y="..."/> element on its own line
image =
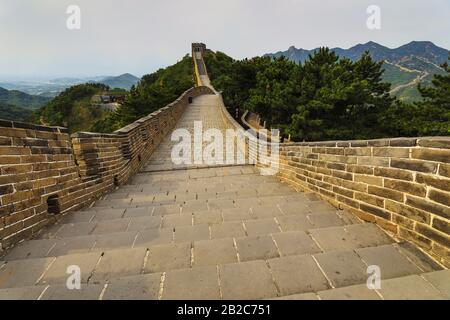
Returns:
<point x="17" y="105"/>
<point x="124" y="81"/>
<point x="51" y="88"/>
<point x="404" y="66"/>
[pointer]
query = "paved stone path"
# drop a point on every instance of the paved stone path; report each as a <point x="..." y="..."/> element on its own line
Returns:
<point x="215" y="233"/>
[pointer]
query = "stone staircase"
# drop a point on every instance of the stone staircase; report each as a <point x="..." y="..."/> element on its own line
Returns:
<point x="216" y="233"/>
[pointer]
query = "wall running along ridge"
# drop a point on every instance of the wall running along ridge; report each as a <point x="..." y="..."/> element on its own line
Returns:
<point x="45" y="173"/>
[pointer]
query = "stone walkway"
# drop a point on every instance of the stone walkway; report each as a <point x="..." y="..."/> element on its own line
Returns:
<point x="215" y="233"/>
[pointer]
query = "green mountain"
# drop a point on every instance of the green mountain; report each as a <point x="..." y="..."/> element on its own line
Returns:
<point x="404" y="66"/>
<point x="72" y="108"/>
<point x="124" y="81"/>
<point x="11" y="112"/>
<point x="21" y="99"/>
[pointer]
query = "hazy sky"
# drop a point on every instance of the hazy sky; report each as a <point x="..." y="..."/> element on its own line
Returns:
<point x="138" y="36"/>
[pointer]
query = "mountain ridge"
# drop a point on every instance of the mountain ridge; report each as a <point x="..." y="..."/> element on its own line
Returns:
<point x="420" y="57"/>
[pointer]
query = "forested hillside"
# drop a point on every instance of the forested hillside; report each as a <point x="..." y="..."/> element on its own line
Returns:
<point x="329" y="98"/>
<point x="154" y="91"/>
<point x="74" y="109"/>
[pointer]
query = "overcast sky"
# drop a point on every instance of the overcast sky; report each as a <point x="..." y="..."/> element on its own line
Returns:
<point x="138" y="36"/>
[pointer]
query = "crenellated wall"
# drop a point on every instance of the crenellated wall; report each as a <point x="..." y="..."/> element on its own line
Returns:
<point x="402" y="184"/>
<point x="45" y="173"/>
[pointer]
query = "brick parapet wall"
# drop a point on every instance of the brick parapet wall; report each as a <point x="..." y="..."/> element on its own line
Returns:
<point x="403" y="184"/>
<point x="44" y="165"/>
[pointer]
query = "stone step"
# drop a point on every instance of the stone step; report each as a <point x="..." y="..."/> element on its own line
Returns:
<point x="295" y="277"/>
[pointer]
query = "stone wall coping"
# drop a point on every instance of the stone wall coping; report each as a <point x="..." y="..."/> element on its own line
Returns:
<point x="24" y="125"/>
<point x="432" y="142"/>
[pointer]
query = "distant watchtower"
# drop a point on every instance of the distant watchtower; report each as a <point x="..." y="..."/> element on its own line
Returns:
<point x="198" y="50"/>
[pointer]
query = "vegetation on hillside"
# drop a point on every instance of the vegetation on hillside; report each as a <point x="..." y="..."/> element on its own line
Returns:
<point x="72" y="108"/>
<point x="153" y="92"/>
<point x="11" y="112"/>
<point x="328" y="98"/>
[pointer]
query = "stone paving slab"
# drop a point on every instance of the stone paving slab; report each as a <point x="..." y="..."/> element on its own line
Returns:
<point x="227" y="230"/>
<point x="24" y="293"/>
<point x="168" y="257"/>
<point x="209" y="217"/>
<point x="199" y="283"/>
<point x="177" y="220"/>
<point x="31" y="249"/>
<point x="295" y="223"/>
<point x="141" y="287"/>
<point x="61" y="292"/>
<point x="57" y="272"/>
<point x="357" y="292"/>
<point x="440" y="280"/>
<point x="334" y="238"/>
<point x="261" y="226"/>
<point x="342" y="268"/>
<point x="297" y="274"/>
<point x="214" y="252"/>
<point x="110" y="241"/>
<point x="192" y="233"/>
<point x="119" y="263"/>
<point x="391" y="262"/>
<point x="301" y="296"/>
<point x="246" y="281"/>
<point x="144" y="223"/>
<point x="409" y="288"/>
<point x="22" y="273"/>
<point x="256" y="248"/>
<point x="152" y="237"/>
<point x="295" y="243"/>
<point x="72" y="245"/>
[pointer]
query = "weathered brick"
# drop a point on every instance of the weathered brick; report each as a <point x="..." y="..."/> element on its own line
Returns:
<point x="9" y="160"/>
<point x="342" y="175"/>
<point x="354" y="185"/>
<point x="358" y="151"/>
<point x="444" y="170"/>
<point x="373" y="200"/>
<point x="402" y="142"/>
<point x="441" y="225"/>
<point x="415" y="237"/>
<point x="426" y="205"/>
<point x="391" y="152"/>
<point x="6" y="189"/>
<point x="394" y="173"/>
<point x="5" y="141"/>
<point x="16" y="169"/>
<point x="437" y="142"/>
<point x="375" y="211"/>
<point x="386" y="193"/>
<point x="414" y="165"/>
<point x="441" y="197"/>
<point x="433" y="181"/>
<point x="373" y="161"/>
<point x="404" y="186"/>
<point x="433" y="234"/>
<point x="431" y="154"/>
<point x="12" y="132"/>
<point x="14" y="150"/>
<point x="336" y="166"/>
<point x="344" y="192"/>
<point x="347" y="201"/>
<point x="408" y="212"/>
<point x="360" y="169"/>
<point x="376" y="181"/>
